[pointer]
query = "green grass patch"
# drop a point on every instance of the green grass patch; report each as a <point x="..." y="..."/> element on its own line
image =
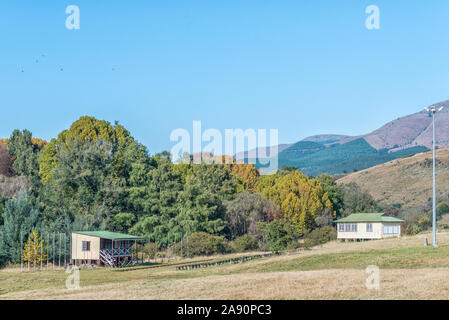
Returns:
<point x="401" y="258"/>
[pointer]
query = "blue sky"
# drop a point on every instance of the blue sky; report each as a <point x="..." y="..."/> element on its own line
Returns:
<point x="303" y="67"/>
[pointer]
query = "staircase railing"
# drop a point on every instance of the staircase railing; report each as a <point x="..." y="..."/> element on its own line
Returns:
<point x="122" y="252"/>
<point x="106" y="258"/>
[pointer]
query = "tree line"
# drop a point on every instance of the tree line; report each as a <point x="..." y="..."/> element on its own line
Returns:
<point x="97" y="176"/>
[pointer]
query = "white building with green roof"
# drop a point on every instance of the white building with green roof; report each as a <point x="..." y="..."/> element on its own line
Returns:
<point x="367" y="226"/>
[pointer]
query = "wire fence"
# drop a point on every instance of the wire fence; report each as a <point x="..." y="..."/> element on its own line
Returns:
<point x="53" y="251"/>
<point x="43" y="252"/>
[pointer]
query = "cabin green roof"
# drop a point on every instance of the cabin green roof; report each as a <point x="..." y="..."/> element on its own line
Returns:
<point x="368" y="217"/>
<point x="109" y="235"/>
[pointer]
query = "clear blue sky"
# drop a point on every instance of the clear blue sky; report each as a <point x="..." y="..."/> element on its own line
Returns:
<point x="304" y="67"/>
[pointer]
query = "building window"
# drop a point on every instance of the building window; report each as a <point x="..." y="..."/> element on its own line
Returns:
<point x="395" y="229"/>
<point x="341" y="227"/>
<point x="86" y="245"/>
<point x="369" y="227"/>
<point x="348" y="227"/>
<point x="354" y="227"/>
<point x="391" y="229"/>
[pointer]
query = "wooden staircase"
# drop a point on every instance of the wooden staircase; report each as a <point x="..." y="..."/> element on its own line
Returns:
<point x="106" y="258"/>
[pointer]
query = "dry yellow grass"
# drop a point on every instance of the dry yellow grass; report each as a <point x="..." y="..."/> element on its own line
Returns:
<point x="319" y="284"/>
<point x="407" y="181"/>
<point x="243" y="281"/>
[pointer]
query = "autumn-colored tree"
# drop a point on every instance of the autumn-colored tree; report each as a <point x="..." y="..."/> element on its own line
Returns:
<point x="299" y="198"/>
<point x="39" y="143"/>
<point x="247" y="174"/>
<point x="35" y="249"/>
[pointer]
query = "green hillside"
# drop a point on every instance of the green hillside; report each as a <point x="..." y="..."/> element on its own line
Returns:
<point x="314" y="158"/>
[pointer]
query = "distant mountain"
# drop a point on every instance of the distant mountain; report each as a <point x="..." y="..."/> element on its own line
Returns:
<point x="409" y="131"/>
<point x="326" y="138"/>
<point x="262" y="152"/>
<point x="336" y="154"/>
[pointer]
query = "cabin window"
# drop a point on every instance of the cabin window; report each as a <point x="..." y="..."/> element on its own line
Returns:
<point x="86" y="245"/>
<point x="391" y="229"/>
<point x="348" y="227"/>
<point x="354" y="227"/>
<point x="341" y="227"/>
<point x="369" y="227"/>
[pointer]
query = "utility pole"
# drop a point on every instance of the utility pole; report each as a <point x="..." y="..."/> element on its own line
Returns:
<point x="432" y="110"/>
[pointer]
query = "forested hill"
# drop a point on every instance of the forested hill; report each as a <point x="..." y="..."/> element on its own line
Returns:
<point x="314" y="158"/>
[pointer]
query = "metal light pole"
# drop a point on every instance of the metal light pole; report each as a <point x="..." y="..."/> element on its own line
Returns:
<point x="432" y="110"/>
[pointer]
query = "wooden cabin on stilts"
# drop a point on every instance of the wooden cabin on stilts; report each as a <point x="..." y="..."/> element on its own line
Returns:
<point x="105" y="248"/>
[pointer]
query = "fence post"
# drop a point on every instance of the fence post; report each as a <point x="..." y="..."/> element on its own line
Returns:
<point x="70" y="244"/>
<point x="48" y="242"/>
<point x="42" y="252"/>
<point x="28" y="258"/>
<point x="35" y="254"/>
<point x="59" y="255"/>
<point x="21" y="253"/>
<point x="155" y="250"/>
<point x="65" y="250"/>
<point x="168" y="249"/>
<point x="181" y="246"/>
<point x="174" y="249"/>
<point x="53" y="265"/>
<point x="149" y="253"/>
<point x="188" y="250"/>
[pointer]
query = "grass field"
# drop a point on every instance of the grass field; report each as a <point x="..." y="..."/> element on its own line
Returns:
<point x="336" y="270"/>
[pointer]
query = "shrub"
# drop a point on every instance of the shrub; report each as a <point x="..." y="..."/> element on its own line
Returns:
<point x="442" y="209"/>
<point x="245" y="243"/>
<point x="279" y="234"/>
<point x="424" y="223"/>
<point x="201" y="243"/>
<point x="320" y="236"/>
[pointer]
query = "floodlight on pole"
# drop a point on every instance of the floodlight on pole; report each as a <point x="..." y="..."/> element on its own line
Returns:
<point x="432" y="110"/>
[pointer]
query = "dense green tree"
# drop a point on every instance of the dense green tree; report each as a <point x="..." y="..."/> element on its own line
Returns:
<point x="2" y="208"/>
<point x="279" y="234"/>
<point x="124" y="148"/>
<point x="355" y="200"/>
<point x="245" y="212"/>
<point x="154" y="198"/>
<point x="200" y="203"/>
<point x="20" y="218"/>
<point x="83" y="184"/>
<point x="442" y="209"/>
<point x="333" y="191"/>
<point x="184" y="166"/>
<point x="122" y="221"/>
<point x="26" y="155"/>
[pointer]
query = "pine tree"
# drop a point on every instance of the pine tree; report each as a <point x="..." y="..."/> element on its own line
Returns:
<point x="20" y="218"/>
